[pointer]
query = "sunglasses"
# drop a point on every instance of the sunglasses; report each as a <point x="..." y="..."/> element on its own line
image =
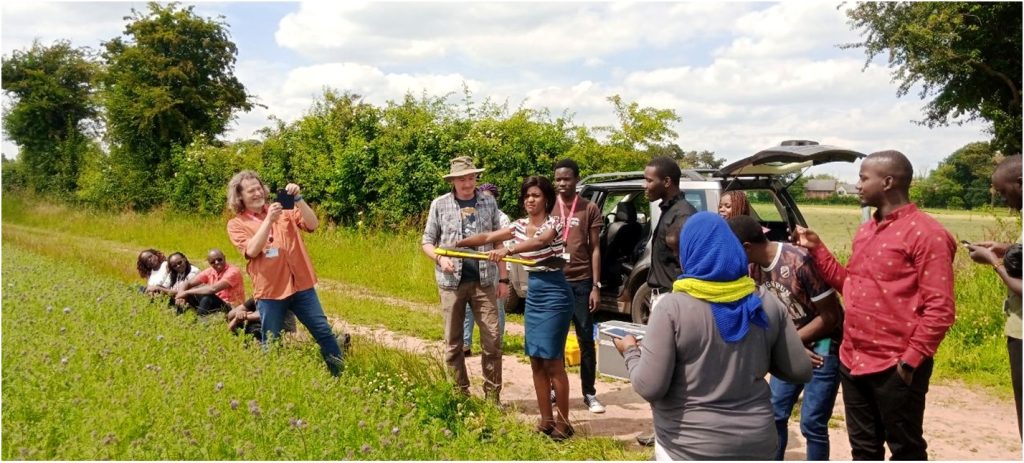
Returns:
<point x="215" y="260"/>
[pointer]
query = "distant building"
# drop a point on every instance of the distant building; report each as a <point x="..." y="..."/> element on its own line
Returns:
<point x="823" y="188"/>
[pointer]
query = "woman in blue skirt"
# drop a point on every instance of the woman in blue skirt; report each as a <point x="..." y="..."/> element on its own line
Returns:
<point x="549" y="300"/>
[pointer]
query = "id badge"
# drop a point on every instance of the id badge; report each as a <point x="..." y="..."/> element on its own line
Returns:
<point x="565" y="255"/>
<point x="271" y="252"/>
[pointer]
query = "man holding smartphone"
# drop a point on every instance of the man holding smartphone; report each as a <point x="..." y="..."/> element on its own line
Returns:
<point x="283" y="280"/>
<point x="789" y="272"/>
<point x="1006" y="180"/>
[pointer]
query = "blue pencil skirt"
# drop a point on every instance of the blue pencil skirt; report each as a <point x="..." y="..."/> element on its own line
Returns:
<point x="549" y="305"/>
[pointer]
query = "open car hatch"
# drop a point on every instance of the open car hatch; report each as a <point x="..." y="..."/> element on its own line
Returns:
<point x="790" y="156"/>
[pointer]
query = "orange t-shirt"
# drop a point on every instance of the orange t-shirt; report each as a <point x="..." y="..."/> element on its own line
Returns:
<point x="287" y="273"/>
<point x="234" y="294"/>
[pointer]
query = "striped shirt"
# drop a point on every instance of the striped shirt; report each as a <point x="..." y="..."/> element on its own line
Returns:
<point x="554" y="248"/>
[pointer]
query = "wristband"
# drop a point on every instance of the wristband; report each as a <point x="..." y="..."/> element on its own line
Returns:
<point x="298" y="198"/>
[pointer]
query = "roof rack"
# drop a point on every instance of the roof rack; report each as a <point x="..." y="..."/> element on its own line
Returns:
<point x="688" y="174"/>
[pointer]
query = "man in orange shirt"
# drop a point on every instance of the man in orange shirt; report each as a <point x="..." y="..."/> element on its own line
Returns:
<point x="216" y="289"/>
<point x="277" y="261"/>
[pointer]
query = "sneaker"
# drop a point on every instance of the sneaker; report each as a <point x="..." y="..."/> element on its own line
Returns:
<point x="592" y="403"/>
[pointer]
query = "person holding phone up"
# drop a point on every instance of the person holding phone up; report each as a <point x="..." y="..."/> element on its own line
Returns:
<point x="788" y="271"/>
<point x="282" y="274"/>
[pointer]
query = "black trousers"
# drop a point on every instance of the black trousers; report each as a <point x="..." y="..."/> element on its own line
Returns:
<point x="208" y="304"/>
<point x="882" y="409"/>
<point x="584" y="322"/>
<point x="1013" y="347"/>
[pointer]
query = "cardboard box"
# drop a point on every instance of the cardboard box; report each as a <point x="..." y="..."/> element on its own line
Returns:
<point x="609" y="361"/>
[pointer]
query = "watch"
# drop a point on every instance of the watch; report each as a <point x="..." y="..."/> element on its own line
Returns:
<point x="598" y="285"/>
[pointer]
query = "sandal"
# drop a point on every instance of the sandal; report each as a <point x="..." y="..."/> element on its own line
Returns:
<point x="546" y="430"/>
<point x="559" y="436"/>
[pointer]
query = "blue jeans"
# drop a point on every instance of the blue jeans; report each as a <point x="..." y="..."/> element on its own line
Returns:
<point x="306" y="306"/>
<point x="819" y="398"/>
<point x="467" y="326"/>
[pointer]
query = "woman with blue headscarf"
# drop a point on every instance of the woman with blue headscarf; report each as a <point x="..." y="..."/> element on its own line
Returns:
<point x="708" y="346"/>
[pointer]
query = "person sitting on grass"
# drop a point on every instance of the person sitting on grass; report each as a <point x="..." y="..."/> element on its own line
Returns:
<point x="181" y="270"/>
<point x="152" y="266"/>
<point x="216" y="289"/>
<point x="244" y="318"/>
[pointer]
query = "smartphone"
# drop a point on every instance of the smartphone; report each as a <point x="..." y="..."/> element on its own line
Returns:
<point x="966" y="243"/>
<point x="822" y="346"/>
<point x="620" y="333"/>
<point x="287" y="201"/>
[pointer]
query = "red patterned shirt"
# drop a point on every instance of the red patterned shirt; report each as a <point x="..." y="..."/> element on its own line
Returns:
<point x="897" y="288"/>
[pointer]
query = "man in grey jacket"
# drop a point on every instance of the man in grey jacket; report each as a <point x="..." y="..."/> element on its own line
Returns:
<point x="453" y="216"/>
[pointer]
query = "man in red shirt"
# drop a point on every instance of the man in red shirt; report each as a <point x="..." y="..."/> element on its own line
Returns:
<point x="898" y="291"/>
<point x="216" y="289"/>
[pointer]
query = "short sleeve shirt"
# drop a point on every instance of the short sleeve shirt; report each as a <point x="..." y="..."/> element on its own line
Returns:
<point x="234" y="294"/>
<point x="159" y="276"/>
<point x="277" y="276"/>
<point x="554" y="248"/>
<point x="585" y="218"/>
<point x="794" y="279"/>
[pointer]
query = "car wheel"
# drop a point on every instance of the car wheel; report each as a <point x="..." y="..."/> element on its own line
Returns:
<point x="640" y="309"/>
<point x="514" y="303"/>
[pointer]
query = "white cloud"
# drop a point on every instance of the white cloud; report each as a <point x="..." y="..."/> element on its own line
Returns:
<point x="84" y="24"/>
<point x="497" y="34"/>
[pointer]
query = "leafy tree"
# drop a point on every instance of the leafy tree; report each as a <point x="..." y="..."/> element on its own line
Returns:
<point x="965" y="54"/>
<point x="640" y="129"/>
<point x="170" y="81"/>
<point x="970" y="169"/>
<point x="51" y="90"/>
<point x="691" y="159"/>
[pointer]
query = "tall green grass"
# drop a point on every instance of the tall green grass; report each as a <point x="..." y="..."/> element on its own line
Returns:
<point x="94" y="370"/>
<point x="391" y="264"/>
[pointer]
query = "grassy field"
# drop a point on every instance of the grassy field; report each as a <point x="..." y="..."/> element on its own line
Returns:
<point x="94" y="370"/>
<point x="384" y="264"/>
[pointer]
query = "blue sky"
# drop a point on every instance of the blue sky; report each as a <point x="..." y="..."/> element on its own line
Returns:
<point x="743" y="76"/>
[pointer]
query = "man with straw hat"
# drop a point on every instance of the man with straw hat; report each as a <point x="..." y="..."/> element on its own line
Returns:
<point x="453" y="216"/>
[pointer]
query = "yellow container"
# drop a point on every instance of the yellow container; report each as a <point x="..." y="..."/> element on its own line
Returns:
<point x="572" y="350"/>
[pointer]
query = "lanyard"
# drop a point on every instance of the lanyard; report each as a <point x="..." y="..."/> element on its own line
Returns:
<point x="567" y="219"/>
<point x="270" y="233"/>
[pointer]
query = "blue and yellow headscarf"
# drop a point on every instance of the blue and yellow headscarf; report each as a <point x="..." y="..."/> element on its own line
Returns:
<point x="715" y="270"/>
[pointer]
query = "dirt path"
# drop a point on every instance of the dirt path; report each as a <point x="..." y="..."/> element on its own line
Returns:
<point x="960" y="424"/>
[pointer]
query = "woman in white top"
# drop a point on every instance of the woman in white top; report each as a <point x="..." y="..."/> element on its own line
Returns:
<point x="549" y="299"/>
